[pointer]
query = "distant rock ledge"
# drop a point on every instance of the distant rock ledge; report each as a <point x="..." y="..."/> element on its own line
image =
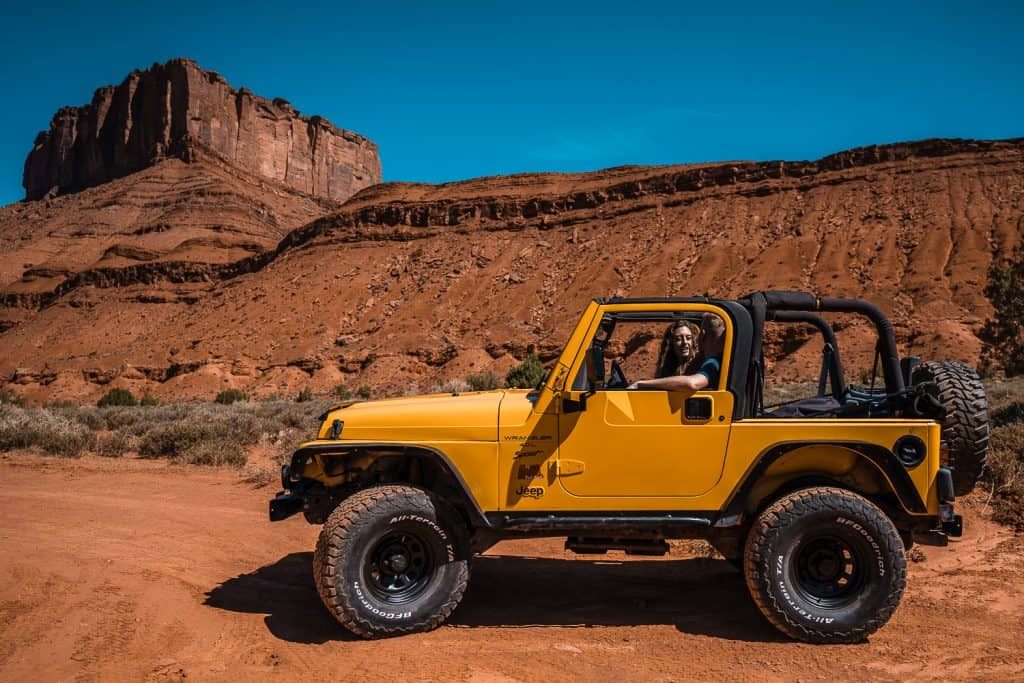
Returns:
<point x="178" y="110"/>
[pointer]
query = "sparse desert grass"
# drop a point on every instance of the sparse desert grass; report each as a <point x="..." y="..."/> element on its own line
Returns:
<point x="45" y="430"/>
<point x="1004" y="476"/>
<point x="203" y="434"/>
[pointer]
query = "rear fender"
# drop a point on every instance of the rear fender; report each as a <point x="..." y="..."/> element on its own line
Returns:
<point x="862" y="467"/>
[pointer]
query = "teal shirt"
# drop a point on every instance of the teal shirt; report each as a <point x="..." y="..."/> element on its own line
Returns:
<point x="712" y="369"/>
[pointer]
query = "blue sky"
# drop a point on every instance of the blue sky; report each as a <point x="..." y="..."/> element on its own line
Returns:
<point x="458" y="90"/>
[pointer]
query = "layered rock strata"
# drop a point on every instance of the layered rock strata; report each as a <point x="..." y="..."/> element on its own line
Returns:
<point x="171" y="109"/>
<point x="407" y="286"/>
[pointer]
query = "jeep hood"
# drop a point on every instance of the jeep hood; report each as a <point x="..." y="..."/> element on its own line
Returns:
<point x="437" y="417"/>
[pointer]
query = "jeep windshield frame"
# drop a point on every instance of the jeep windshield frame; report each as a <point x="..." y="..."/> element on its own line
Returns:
<point x="742" y="338"/>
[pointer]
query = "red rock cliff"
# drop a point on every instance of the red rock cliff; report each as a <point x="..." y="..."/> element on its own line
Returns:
<point x="173" y="109"/>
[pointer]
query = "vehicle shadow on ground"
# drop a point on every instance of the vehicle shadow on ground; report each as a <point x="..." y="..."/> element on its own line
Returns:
<point x="698" y="596"/>
<point x="284" y="591"/>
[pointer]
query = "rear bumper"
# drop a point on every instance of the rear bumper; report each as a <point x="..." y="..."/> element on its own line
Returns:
<point x="949" y="524"/>
<point x="954" y="528"/>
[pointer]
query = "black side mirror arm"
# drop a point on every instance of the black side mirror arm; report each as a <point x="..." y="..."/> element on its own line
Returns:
<point x="594" y="361"/>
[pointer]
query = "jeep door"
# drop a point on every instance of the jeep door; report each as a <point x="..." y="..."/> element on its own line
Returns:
<point x="616" y="442"/>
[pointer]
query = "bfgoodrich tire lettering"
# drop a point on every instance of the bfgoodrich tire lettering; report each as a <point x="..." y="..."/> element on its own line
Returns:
<point x="391" y="560"/>
<point x="825" y="565"/>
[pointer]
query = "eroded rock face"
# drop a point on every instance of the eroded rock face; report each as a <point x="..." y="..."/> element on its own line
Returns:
<point x="172" y="109"/>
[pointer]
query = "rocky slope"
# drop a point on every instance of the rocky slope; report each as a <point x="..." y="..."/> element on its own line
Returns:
<point x="173" y="109"/>
<point x="408" y="285"/>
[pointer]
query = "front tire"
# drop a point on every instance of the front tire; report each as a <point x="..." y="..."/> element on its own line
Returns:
<point x="391" y="560"/>
<point x="825" y="565"/>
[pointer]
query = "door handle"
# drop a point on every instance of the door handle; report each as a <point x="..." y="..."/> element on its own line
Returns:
<point x="698" y="408"/>
<point x="565" y="468"/>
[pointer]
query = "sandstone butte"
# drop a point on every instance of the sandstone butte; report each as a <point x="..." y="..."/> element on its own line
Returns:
<point x="197" y="274"/>
<point x="170" y="110"/>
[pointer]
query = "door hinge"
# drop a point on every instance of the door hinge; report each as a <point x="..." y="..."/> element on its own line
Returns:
<point x="566" y="468"/>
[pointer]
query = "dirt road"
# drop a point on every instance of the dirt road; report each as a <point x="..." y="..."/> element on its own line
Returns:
<point x="133" y="570"/>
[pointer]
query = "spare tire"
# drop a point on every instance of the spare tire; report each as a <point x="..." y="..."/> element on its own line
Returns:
<point x="965" y="426"/>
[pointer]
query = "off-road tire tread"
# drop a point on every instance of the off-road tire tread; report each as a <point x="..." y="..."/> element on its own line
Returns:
<point x="343" y="526"/>
<point x="780" y="515"/>
<point x="965" y="426"/>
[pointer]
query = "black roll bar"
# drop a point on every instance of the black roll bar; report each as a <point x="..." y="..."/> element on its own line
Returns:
<point x="804" y="301"/>
<point x="835" y="364"/>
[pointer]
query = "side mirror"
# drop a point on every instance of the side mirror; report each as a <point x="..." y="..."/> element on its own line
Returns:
<point x="595" y="366"/>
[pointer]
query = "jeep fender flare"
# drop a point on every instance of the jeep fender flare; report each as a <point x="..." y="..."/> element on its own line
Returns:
<point x="433" y="455"/>
<point x="884" y="460"/>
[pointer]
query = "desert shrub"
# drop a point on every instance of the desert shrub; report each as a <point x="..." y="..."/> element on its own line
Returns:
<point x="170" y="440"/>
<point x="483" y="381"/>
<point x="42" y="429"/>
<point x="117" y="397"/>
<point x="526" y="375"/>
<point x="260" y="475"/>
<point x="452" y="386"/>
<point x="305" y="395"/>
<point x="216" y="451"/>
<point x="116" y="444"/>
<point x="364" y="392"/>
<point x="1003" y="334"/>
<point x="342" y="393"/>
<point x="92" y="417"/>
<point x="183" y="433"/>
<point x="148" y="400"/>
<point x="229" y="396"/>
<point x="280" y="445"/>
<point x="11" y="397"/>
<point x="158" y="415"/>
<point x="1004" y="473"/>
<point x="211" y="433"/>
<point x="60" y="404"/>
<point x="116" y="418"/>
<point x="205" y="424"/>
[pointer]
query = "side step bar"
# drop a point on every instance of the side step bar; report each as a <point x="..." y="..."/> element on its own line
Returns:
<point x="570" y="524"/>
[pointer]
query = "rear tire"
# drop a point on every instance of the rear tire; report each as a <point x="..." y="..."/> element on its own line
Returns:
<point x="965" y="427"/>
<point x="825" y="565"/>
<point x="391" y="560"/>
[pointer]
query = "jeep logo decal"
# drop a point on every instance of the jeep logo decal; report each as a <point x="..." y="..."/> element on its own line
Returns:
<point x="530" y="491"/>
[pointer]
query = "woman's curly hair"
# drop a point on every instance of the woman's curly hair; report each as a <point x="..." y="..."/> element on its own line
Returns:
<point x="668" y="364"/>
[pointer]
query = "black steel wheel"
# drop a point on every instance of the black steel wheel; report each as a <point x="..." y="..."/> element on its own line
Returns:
<point x="825" y="565"/>
<point x="829" y="571"/>
<point x="399" y="567"/>
<point x="392" y="560"/>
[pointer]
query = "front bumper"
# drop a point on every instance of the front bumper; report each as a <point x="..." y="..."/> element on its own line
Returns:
<point x="284" y="505"/>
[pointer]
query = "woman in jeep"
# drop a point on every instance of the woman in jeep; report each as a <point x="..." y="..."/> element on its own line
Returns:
<point x="711" y="342"/>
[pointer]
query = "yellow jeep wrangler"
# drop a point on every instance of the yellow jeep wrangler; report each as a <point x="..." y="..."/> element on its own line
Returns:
<point x="815" y="499"/>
